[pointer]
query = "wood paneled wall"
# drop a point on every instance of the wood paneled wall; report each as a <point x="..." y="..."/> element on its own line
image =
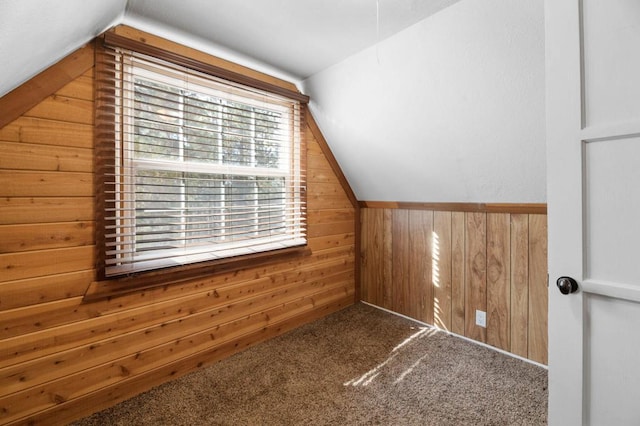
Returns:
<point x="439" y="267"/>
<point x="62" y="358"/>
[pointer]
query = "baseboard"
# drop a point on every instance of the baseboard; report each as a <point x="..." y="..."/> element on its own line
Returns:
<point x="458" y="335"/>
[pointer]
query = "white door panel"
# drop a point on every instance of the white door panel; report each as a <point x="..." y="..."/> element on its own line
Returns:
<point x="613" y="378"/>
<point x="612" y="206"/>
<point x="593" y="163"/>
<point x="610" y="38"/>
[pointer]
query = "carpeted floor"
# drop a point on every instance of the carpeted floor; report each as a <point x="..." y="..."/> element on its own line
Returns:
<point x="358" y="366"/>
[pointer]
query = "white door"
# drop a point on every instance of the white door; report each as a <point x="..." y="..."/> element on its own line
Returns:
<point x="593" y="144"/>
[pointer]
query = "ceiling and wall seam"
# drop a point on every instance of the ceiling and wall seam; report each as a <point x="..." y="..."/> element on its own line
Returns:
<point x="473" y="71"/>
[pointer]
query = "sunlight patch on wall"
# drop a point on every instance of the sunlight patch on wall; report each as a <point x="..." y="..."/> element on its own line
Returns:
<point x="435" y="278"/>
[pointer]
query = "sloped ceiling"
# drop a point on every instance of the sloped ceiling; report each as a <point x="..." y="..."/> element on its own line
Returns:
<point x="299" y="37"/>
<point x="35" y="34"/>
<point x="420" y="100"/>
<point x="289" y="38"/>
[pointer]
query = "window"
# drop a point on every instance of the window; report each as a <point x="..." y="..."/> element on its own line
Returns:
<point x="194" y="168"/>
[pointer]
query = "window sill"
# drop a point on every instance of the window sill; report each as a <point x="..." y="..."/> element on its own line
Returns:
<point x="103" y="289"/>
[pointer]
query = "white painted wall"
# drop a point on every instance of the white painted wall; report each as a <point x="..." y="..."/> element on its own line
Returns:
<point x="450" y="109"/>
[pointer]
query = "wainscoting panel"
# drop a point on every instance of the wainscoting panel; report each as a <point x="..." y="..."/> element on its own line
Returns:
<point x="441" y="267"/>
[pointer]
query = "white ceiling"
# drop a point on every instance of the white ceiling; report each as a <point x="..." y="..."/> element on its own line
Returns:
<point x="457" y="108"/>
<point x="295" y="38"/>
<point x="35" y="34"/>
<point x="301" y="37"/>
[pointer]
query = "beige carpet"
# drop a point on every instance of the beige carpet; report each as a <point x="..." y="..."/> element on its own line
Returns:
<point x="358" y="366"/>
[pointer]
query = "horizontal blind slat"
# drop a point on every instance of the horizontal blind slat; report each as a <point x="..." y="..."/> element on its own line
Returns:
<point x="193" y="168"/>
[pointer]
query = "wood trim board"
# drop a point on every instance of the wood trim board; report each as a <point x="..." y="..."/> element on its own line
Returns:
<point x="114" y="40"/>
<point x="337" y="170"/>
<point x="326" y="150"/>
<point x="31" y="93"/>
<point x="524" y="208"/>
<point x="153" y="40"/>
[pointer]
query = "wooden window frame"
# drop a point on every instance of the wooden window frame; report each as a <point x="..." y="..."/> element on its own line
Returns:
<point x="109" y="286"/>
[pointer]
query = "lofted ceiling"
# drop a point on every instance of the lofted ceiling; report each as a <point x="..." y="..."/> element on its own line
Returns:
<point x="300" y="37"/>
<point x="35" y="34"/>
<point x="289" y="38"/>
<point x="419" y="100"/>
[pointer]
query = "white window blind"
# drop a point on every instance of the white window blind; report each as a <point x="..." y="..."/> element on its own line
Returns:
<point x="193" y="168"/>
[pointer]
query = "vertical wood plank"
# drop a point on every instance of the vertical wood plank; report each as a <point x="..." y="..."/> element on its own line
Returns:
<point x="475" y="273"/>
<point x="357" y="267"/>
<point x="366" y="284"/>
<point x="520" y="284"/>
<point x="441" y="269"/>
<point x="387" y="257"/>
<point x="372" y="274"/>
<point x="400" y="249"/>
<point x="498" y="277"/>
<point x="458" y="270"/>
<point x="376" y="239"/>
<point x="538" y="290"/>
<point x="420" y="296"/>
